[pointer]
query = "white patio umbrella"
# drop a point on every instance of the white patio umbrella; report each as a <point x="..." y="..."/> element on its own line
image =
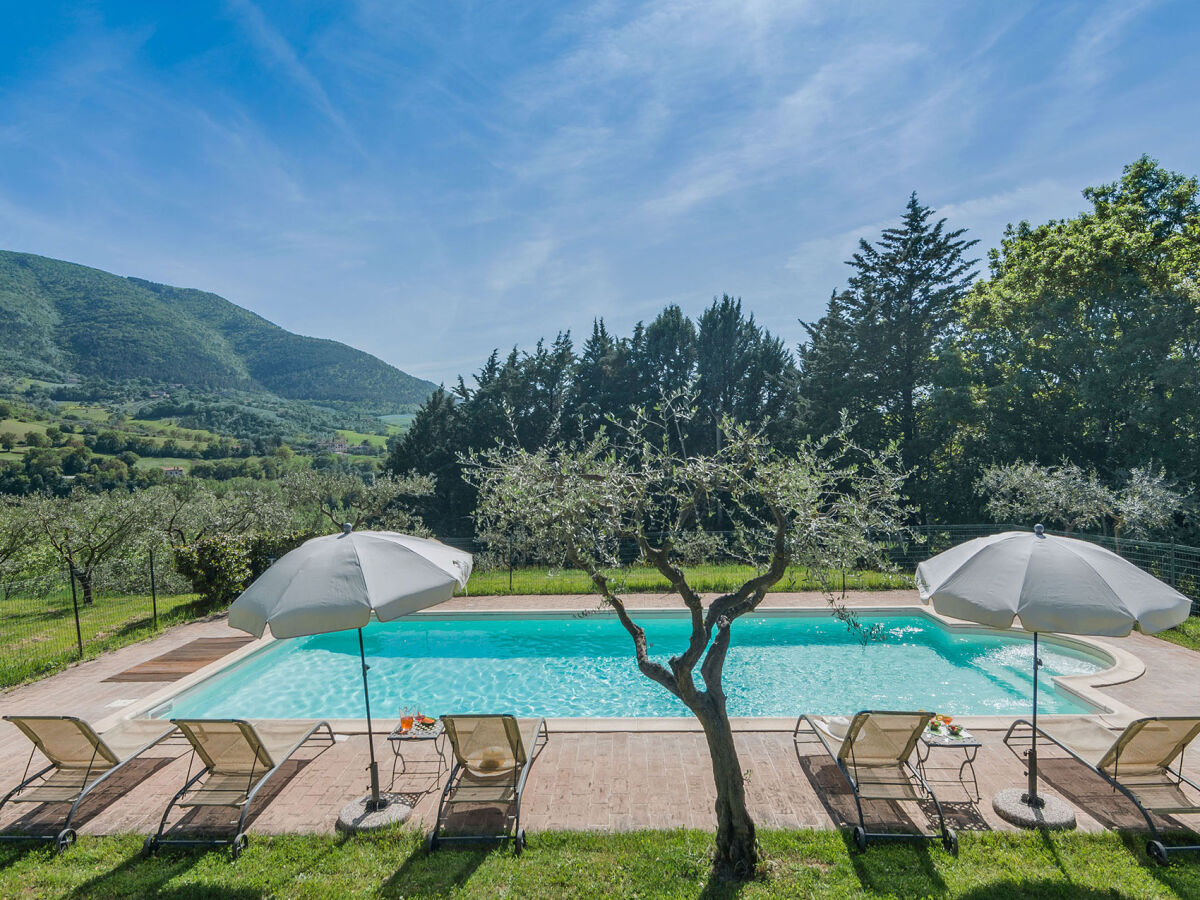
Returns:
<point x="336" y="583"/>
<point x="1050" y="583"/>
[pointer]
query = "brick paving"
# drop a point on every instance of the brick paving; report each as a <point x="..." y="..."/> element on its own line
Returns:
<point x="612" y="780"/>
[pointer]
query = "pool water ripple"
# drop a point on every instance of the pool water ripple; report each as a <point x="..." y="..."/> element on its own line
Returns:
<point x="568" y="666"/>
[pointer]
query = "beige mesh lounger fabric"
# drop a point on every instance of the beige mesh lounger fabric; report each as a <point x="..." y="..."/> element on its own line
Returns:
<point x="238" y="757"/>
<point x="492" y="758"/>
<point x="872" y="751"/>
<point x="1144" y="762"/>
<point x="80" y="759"/>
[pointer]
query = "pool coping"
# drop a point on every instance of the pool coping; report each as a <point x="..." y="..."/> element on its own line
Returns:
<point x="1110" y="712"/>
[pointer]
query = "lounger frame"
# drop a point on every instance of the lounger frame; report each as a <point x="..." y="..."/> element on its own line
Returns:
<point x="862" y="836"/>
<point x="239" y="840"/>
<point x="65" y="836"/>
<point x="1155" y="848"/>
<point x="517" y="835"/>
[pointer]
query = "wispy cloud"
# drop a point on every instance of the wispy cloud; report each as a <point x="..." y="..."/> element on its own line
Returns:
<point x="279" y="53"/>
<point x="515" y="172"/>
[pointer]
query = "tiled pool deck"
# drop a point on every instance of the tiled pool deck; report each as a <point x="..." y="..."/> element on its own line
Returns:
<point x="613" y="779"/>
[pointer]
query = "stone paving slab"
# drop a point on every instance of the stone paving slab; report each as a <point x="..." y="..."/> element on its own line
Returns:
<point x="607" y="781"/>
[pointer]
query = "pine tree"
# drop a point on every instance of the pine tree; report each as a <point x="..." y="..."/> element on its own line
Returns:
<point x="889" y="326"/>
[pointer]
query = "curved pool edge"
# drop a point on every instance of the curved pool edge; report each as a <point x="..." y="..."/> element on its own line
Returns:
<point x="1111" y="712"/>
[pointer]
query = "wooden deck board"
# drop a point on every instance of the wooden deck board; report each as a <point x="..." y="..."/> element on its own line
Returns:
<point x="181" y="661"/>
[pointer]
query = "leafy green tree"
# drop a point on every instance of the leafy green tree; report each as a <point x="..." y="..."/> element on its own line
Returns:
<point x="876" y="349"/>
<point x="742" y="372"/>
<point x="1085" y="341"/>
<point x="664" y="358"/>
<point x="576" y="505"/>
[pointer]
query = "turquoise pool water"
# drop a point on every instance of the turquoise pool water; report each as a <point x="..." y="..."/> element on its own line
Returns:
<point x="567" y="666"/>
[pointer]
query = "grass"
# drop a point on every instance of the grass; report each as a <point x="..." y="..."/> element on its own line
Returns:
<point x="353" y="438"/>
<point x="671" y="864"/>
<point x="39" y="633"/>
<point x="643" y="579"/>
<point x="1185" y="635"/>
<point x="20" y="428"/>
<point x="158" y="462"/>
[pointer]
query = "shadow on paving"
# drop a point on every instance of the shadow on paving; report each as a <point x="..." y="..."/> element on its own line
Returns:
<point x="219" y="821"/>
<point x="881" y="815"/>
<point x="1090" y="793"/>
<point x="48" y="818"/>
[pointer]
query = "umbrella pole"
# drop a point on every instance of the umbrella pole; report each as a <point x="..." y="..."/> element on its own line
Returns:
<point x="1031" y="796"/>
<point x="376" y="802"/>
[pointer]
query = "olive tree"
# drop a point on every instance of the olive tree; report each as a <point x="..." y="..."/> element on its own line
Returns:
<point x="1074" y="499"/>
<point x="818" y="507"/>
<point x="380" y="502"/>
<point x="187" y="510"/>
<point x="86" y="529"/>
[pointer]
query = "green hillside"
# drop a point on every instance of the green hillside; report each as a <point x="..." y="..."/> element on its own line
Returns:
<point x="60" y="320"/>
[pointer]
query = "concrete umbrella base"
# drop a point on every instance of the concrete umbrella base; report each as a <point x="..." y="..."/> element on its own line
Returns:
<point x="1055" y="815"/>
<point x="354" y="816"/>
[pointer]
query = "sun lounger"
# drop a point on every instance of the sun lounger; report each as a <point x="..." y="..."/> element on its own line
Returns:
<point x="80" y="759"/>
<point x="238" y="758"/>
<point x="492" y="758"/>
<point x="872" y="751"/>
<point x="1144" y="762"/>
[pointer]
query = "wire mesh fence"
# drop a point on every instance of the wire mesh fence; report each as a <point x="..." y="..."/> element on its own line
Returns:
<point x="1176" y="564"/>
<point x="59" y="617"/>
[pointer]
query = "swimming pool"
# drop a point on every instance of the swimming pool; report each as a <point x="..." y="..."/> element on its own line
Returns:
<point x="563" y="665"/>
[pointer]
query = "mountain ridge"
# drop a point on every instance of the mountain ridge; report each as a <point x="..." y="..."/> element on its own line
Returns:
<point x="66" y="320"/>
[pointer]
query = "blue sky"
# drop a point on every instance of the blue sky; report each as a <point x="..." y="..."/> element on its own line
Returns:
<point x="430" y="180"/>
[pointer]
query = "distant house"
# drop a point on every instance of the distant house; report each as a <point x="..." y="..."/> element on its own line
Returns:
<point x="173" y="471"/>
<point x="335" y="445"/>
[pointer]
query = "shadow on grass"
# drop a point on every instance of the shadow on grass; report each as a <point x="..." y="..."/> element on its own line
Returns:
<point x="12" y="852"/>
<point x="139" y="877"/>
<point x="1182" y="874"/>
<point x="1040" y="890"/>
<point x="435" y="873"/>
<point x="879" y="866"/>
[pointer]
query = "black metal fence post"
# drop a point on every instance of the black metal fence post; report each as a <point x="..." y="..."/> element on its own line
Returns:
<point x="75" y="605"/>
<point x="153" y="590"/>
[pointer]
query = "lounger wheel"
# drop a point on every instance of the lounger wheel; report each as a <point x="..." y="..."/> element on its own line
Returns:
<point x="1157" y="851"/>
<point x="150" y="846"/>
<point x="65" y="839"/>
<point x="431" y="842"/>
<point x="519" y="841"/>
<point x="860" y="838"/>
<point x="240" y="843"/>
<point x="950" y="841"/>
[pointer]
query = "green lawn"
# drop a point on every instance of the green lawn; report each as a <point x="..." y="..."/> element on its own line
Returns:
<point x="643" y="864"/>
<point x="715" y="579"/>
<point x="39" y="633"/>
<point x="157" y="462"/>
<point x="1186" y="635"/>
<point x="354" y="438"/>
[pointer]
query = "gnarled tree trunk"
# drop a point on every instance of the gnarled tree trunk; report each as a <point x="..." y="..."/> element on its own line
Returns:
<point x="737" y="845"/>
